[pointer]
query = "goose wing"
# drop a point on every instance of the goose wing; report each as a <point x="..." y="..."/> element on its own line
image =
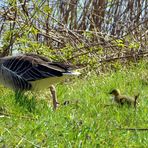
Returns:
<point x="18" y="71"/>
<point x="31" y="69"/>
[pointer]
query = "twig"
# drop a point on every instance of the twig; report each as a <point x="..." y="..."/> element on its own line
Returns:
<point x="145" y="54"/>
<point x="12" y="114"/>
<point x="133" y="129"/>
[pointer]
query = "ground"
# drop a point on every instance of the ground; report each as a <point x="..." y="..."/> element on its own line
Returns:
<point x="90" y="119"/>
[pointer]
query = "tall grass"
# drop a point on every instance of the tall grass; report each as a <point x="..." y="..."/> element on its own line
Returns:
<point x="91" y="119"/>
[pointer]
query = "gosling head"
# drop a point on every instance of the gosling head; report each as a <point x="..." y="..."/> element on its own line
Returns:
<point x="115" y="92"/>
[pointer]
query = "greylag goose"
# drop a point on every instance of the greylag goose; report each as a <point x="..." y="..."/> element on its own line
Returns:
<point x="121" y="99"/>
<point x="32" y="72"/>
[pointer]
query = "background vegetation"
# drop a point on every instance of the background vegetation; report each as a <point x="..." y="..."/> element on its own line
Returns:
<point x="84" y="32"/>
<point x="108" y="39"/>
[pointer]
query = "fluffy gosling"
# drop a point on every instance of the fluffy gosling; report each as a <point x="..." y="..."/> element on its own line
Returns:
<point x="121" y="99"/>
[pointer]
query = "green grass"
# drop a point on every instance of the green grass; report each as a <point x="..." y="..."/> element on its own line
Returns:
<point x="86" y="121"/>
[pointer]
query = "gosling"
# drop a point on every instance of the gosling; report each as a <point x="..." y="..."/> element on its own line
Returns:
<point x="121" y="99"/>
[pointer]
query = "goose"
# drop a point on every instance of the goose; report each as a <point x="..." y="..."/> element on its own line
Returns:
<point x="122" y="99"/>
<point x="32" y="72"/>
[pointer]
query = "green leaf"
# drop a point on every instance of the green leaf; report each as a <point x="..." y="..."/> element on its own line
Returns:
<point x="47" y="9"/>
